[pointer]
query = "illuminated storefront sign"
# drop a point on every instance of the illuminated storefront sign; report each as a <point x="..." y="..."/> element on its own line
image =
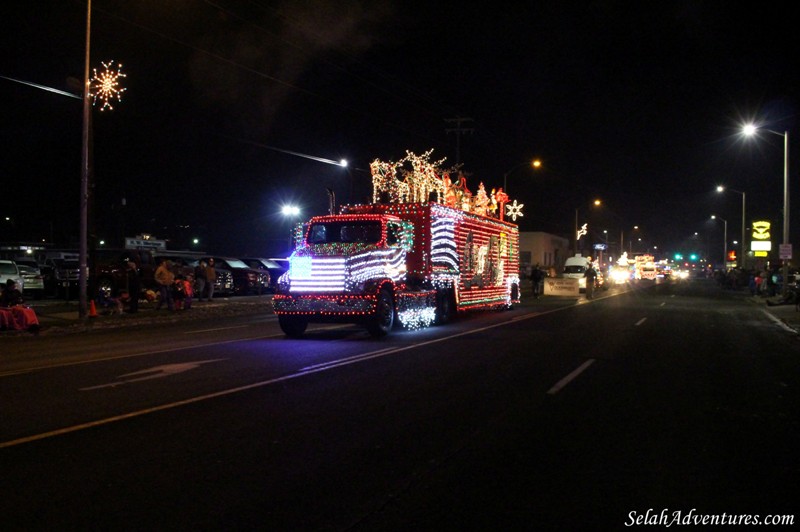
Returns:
<point x="761" y="244"/>
<point x="761" y="230"/>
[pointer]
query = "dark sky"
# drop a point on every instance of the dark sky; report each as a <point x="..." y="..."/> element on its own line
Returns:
<point x="636" y="103"/>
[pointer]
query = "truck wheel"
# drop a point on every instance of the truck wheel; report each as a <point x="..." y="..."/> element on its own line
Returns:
<point x="444" y="307"/>
<point x="292" y="326"/>
<point x="383" y="320"/>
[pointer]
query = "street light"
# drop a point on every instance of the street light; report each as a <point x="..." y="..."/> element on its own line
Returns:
<point x="630" y="241"/>
<point x="290" y="211"/>
<point x="577" y="235"/>
<point x="724" y="240"/>
<point x="750" y="130"/>
<point x="535" y="164"/>
<point x="721" y="188"/>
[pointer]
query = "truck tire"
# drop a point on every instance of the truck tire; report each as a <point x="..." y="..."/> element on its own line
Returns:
<point x="445" y="307"/>
<point x="292" y="326"/>
<point x="382" y="322"/>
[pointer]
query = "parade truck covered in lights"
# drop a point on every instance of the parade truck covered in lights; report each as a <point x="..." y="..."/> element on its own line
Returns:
<point x="400" y="260"/>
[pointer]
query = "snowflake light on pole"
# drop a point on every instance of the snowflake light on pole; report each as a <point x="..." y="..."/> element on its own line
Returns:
<point x="105" y="85"/>
<point x="514" y="210"/>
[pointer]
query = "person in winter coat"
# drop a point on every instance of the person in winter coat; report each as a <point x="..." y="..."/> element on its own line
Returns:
<point x="165" y="279"/>
<point x="537" y="276"/>
<point x="200" y="279"/>
<point x="591" y="275"/>
<point x="211" y="278"/>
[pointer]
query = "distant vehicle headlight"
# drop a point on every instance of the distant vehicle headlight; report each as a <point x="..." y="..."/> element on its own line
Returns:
<point x="619" y="276"/>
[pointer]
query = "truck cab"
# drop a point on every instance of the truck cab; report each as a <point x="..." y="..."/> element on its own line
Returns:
<point x="348" y="268"/>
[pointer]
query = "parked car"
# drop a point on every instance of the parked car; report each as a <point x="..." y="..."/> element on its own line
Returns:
<point x="274" y="267"/>
<point x="60" y="270"/>
<point x="61" y="276"/>
<point x="33" y="281"/>
<point x="108" y="270"/>
<point x="10" y="270"/>
<point x="246" y="280"/>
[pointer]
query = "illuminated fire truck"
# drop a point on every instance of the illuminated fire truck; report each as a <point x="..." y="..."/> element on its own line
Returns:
<point x="411" y="263"/>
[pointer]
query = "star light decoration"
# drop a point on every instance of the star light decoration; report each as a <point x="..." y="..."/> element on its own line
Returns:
<point x="514" y="210"/>
<point x="104" y="85"/>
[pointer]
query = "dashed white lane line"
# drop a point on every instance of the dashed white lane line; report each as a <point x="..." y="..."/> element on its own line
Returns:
<point x="641" y="321"/>
<point x="569" y="378"/>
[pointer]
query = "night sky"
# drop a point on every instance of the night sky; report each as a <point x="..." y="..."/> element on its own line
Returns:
<point x="639" y="104"/>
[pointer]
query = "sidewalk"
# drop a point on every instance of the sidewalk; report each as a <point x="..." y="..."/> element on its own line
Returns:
<point x="60" y="317"/>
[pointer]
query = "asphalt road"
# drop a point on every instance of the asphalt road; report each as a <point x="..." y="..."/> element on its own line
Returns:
<point x="553" y="416"/>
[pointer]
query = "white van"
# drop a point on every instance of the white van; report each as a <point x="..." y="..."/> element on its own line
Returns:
<point x="575" y="267"/>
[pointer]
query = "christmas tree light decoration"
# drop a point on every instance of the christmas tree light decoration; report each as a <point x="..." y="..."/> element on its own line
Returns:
<point x="481" y="202"/>
<point x="104" y="86"/>
<point x="514" y="210"/>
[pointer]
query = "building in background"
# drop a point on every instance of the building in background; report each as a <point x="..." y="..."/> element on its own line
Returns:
<point x="545" y="249"/>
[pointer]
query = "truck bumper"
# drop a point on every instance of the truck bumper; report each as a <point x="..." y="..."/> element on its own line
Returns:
<point x="334" y="307"/>
<point x="415" y="309"/>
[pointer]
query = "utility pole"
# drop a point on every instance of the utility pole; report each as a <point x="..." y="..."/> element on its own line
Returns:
<point x="458" y="130"/>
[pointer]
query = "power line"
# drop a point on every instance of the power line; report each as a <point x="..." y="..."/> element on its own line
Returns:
<point x="458" y="130"/>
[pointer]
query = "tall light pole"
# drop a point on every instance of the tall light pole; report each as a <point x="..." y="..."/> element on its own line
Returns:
<point x="535" y="164"/>
<point x="724" y="240"/>
<point x="720" y="188"/>
<point x="83" y="245"/>
<point x="750" y="130"/>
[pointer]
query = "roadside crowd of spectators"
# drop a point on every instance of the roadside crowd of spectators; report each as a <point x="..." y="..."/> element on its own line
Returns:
<point x="176" y="288"/>
<point x="760" y="282"/>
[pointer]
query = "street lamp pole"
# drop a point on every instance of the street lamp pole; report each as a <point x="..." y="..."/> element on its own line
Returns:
<point x="724" y="240"/>
<point x="534" y="164"/>
<point x="83" y="246"/>
<point x="750" y="130"/>
<point x="575" y="233"/>
<point x="744" y="246"/>
<point x="785" y="209"/>
<point x="744" y="201"/>
<point x="596" y="202"/>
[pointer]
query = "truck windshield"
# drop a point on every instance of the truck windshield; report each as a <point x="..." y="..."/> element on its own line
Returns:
<point x="574" y="269"/>
<point x="366" y="232"/>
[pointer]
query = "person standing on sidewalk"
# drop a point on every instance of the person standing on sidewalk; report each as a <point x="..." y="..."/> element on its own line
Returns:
<point x="590" y="275"/>
<point x="165" y="279"/>
<point x="134" y="288"/>
<point x="536" y="280"/>
<point x="211" y="277"/>
<point x="200" y="279"/>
